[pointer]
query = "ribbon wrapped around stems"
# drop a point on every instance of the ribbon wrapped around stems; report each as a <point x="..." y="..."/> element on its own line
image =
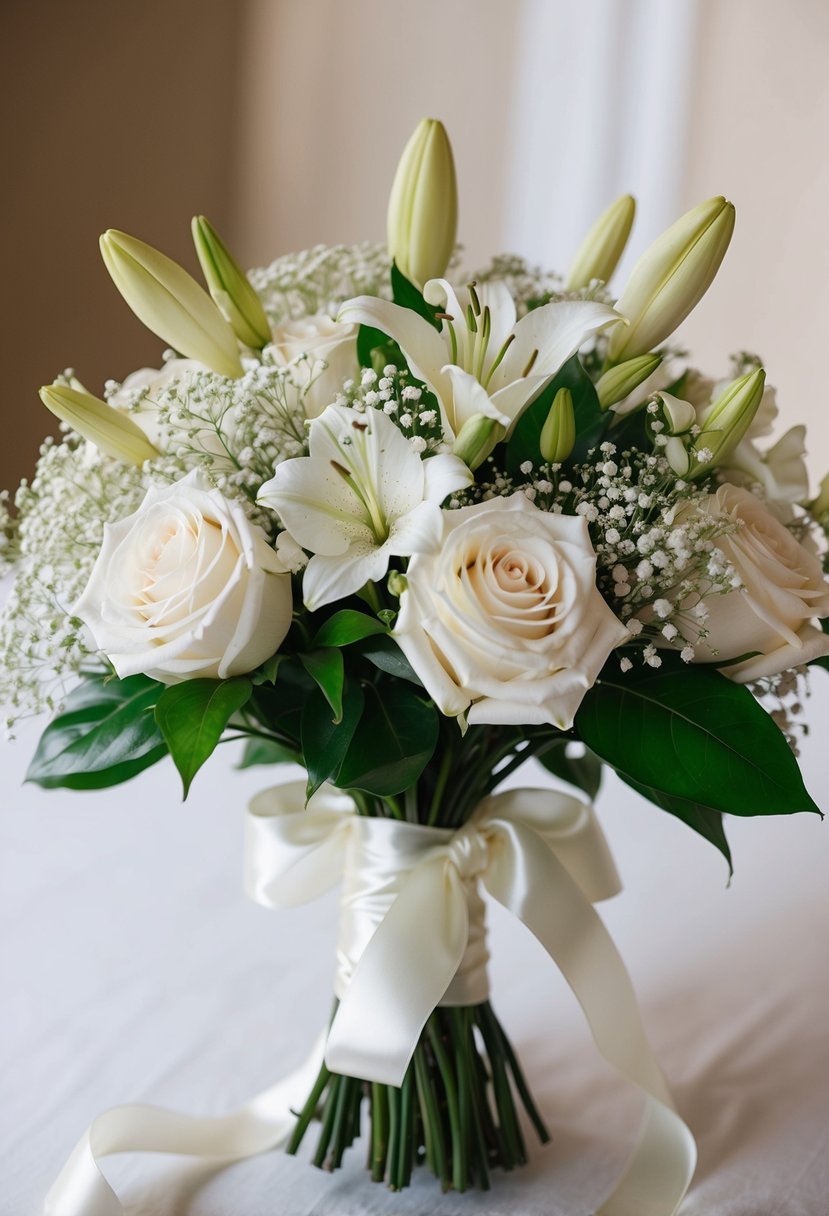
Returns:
<point x="412" y="938"/>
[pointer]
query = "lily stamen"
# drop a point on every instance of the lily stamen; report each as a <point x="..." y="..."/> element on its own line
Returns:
<point x="496" y="361"/>
<point x="530" y="363"/>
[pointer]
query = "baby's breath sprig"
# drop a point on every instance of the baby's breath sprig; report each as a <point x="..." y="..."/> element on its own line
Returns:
<point x="410" y="406"/>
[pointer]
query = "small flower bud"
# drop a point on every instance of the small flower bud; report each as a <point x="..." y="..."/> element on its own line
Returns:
<point x="558" y="435"/>
<point x="170" y="302"/>
<point x="820" y="505"/>
<point x="229" y="286"/>
<point x="671" y="277"/>
<point x="604" y="244"/>
<point x="678" y="415"/>
<point x="727" y="420"/>
<point x="112" y="432"/>
<point x="618" y="381"/>
<point x="423" y="205"/>
<point x="476" y="439"/>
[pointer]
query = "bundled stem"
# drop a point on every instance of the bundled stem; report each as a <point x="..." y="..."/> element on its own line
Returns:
<point x="455" y="1111"/>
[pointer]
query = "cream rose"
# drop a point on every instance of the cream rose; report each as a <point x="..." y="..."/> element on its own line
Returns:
<point x="505" y="620"/>
<point x="187" y="586"/>
<point x="331" y="350"/>
<point x="783" y="590"/>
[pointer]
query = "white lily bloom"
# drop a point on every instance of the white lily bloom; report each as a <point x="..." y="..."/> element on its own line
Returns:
<point x="483" y="360"/>
<point x="362" y="496"/>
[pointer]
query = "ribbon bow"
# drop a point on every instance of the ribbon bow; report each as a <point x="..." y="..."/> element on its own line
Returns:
<point x="540" y="853"/>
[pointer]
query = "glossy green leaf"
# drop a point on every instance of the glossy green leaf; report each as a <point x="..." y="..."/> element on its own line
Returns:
<point x="394" y="741"/>
<point x="385" y="654"/>
<point x="266" y="751"/>
<point x="703" y="819"/>
<point x="267" y="673"/>
<point x="105" y="734"/>
<point x="690" y="732"/>
<point x="584" y="772"/>
<point x="369" y="340"/>
<point x="407" y="295"/>
<point x="347" y="626"/>
<point x="525" y="442"/>
<point x="325" y="743"/>
<point x="327" y="670"/>
<point x="192" y="717"/>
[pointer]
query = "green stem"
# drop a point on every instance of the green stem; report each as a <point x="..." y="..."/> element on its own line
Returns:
<point x="379" y="1131"/>
<point x="308" y="1111"/>
<point x="405" y="1148"/>
<point x="328" y="1120"/>
<point x="342" y="1123"/>
<point x="440" y="786"/>
<point x="450" y="1089"/>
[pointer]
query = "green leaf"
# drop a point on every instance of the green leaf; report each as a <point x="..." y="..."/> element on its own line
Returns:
<point x="703" y="819"/>
<point x="369" y="340"/>
<point x="525" y="443"/>
<point x="105" y="734"/>
<point x="327" y="670"/>
<point x="266" y="751"/>
<point x="347" y="626"/>
<point x="192" y="716"/>
<point x="690" y="732"/>
<point x="267" y="673"/>
<point x="407" y="295"/>
<point x="386" y="655"/>
<point x="584" y="772"/>
<point x="278" y="708"/>
<point x="394" y="741"/>
<point x="325" y="743"/>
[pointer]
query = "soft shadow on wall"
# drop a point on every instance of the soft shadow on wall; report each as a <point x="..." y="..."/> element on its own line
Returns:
<point x="113" y="115"/>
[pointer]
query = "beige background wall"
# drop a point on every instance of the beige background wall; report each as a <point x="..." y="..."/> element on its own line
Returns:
<point x="283" y="120"/>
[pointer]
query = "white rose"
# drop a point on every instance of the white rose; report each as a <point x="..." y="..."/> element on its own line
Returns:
<point x="185" y="587"/>
<point x="505" y="619"/>
<point x="331" y="350"/>
<point x="783" y="590"/>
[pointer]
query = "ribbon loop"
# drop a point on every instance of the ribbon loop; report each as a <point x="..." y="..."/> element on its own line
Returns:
<point x="412" y="937"/>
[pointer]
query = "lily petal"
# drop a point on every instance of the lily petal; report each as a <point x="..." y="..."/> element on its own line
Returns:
<point x="327" y="579"/>
<point x="556" y="331"/>
<point x="444" y="475"/>
<point x="466" y="398"/>
<point x="425" y="350"/>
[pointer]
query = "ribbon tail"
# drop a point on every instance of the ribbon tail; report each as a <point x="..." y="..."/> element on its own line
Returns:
<point x="532" y="882"/>
<point x="263" y="1123"/>
<point x="404" y="971"/>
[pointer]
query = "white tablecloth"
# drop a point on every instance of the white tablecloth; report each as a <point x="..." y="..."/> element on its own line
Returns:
<point x="134" y="969"/>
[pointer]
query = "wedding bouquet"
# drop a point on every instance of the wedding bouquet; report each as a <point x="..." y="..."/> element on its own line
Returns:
<point x="408" y="531"/>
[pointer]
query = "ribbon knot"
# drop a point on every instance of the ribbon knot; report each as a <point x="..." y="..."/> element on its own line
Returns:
<point x="540" y="853"/>
<point x="469" y="852"/>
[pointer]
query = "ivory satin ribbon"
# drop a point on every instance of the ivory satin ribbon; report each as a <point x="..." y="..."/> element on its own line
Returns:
<point x="412" y="938"/>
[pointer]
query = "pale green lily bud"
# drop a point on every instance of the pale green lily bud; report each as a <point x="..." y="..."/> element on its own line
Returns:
<point x="558" y="435"/>
<point x="619" y="381"/>
<point x="170" y="302"/>
<point x="677" y="455"/>
<point x="604" y="244"/>
<point x="820" y="506"/>
<point x="229" y="286"/>
<point x="112" y="432"/>
<point x="671" y="277"/>
<point x="422" y="220"/>
<point x="477" y="439"/>
<point x="678" y="415"/>
<point x="728" y="419"/>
